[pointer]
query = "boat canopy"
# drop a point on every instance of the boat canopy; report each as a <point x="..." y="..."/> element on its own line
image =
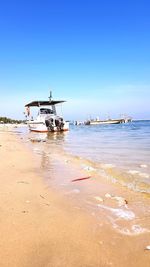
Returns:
<point x="44" y="103"/>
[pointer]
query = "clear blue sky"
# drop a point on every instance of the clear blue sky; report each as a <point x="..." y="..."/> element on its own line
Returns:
<point x="94" y="54"/>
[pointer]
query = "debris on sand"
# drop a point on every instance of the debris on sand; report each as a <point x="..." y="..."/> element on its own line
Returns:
<point x="37" y="140"/>
<point x="99" y="198"/>
<point x="89" y="168"/>
<point x="42" y="197"/>
<point x="80" y="179"/>
<point x="108" y="195"/>
<point x="24" y="211"/>
<point x="22" y="182"/>
<point x="121" y="200"/>
<point x="66" y="161"/>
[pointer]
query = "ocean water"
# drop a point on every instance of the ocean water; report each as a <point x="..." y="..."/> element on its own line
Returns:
<point x="120" y="151"/>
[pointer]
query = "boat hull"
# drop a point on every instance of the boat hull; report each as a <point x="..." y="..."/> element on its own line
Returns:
<point x="98" y="122"/>
<point x="42" y="128"/>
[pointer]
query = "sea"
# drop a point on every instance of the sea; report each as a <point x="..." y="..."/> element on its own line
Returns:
<point x="121" y="152"/>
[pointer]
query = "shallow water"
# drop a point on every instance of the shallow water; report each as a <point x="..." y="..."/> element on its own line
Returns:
<point x="121" y="151"/>
<point x="122" y="144"/>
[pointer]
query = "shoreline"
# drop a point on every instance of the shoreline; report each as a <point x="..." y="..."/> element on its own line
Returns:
<point x="45" y="225"/>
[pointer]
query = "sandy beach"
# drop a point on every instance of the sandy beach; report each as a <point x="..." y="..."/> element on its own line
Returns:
<point x="85" y="225"/>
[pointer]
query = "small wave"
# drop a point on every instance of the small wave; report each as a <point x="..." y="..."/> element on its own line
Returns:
<point x="142" y="174"/>
<point x="121" y="213"/>
<point x="133" y="172"/>
<point x="143" y="166"/>
<point x="133" y="231"/>
<point x="107" y="166"/>
<point x="134" y="180"/>
<point x="88" y="168"/>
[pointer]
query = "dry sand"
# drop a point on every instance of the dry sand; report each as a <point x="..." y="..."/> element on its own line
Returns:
<point x="41" y="226"/>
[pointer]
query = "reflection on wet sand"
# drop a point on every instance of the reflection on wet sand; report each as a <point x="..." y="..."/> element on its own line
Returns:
<point x="57" y="136"/>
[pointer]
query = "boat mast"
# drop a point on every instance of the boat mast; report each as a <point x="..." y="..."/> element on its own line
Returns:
<point x="53" y="106"/>
<point x="50" y="96"/>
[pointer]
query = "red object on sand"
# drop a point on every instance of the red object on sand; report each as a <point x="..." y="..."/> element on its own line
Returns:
<point x="80" y="179"/>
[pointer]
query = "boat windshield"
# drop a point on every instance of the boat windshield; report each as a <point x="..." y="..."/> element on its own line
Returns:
<point x="46" y="111"/>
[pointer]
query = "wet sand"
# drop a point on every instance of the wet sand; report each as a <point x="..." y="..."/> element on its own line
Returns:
<point x="79" y="223"/>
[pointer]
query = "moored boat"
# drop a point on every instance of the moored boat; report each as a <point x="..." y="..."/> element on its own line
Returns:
<point x="109" y="121"/>
<point x="47" y="119"/>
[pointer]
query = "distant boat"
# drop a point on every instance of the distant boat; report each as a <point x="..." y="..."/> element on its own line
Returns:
<point x="129" y="119"/>
<point x="109" y="121"/>
<point x="78" y="123"/>
<point x="47" y="119"/>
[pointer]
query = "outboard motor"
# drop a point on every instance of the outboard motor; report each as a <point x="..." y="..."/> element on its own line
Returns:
<point x="61" y="124"/>
<point x="50" y="124"/>
<point x="57" y="123"/>
<point x="54" y="124"/>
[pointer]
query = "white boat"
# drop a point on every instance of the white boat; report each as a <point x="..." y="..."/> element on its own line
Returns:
<point x="47" y="119"/>
<point x="110" y="121"/>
